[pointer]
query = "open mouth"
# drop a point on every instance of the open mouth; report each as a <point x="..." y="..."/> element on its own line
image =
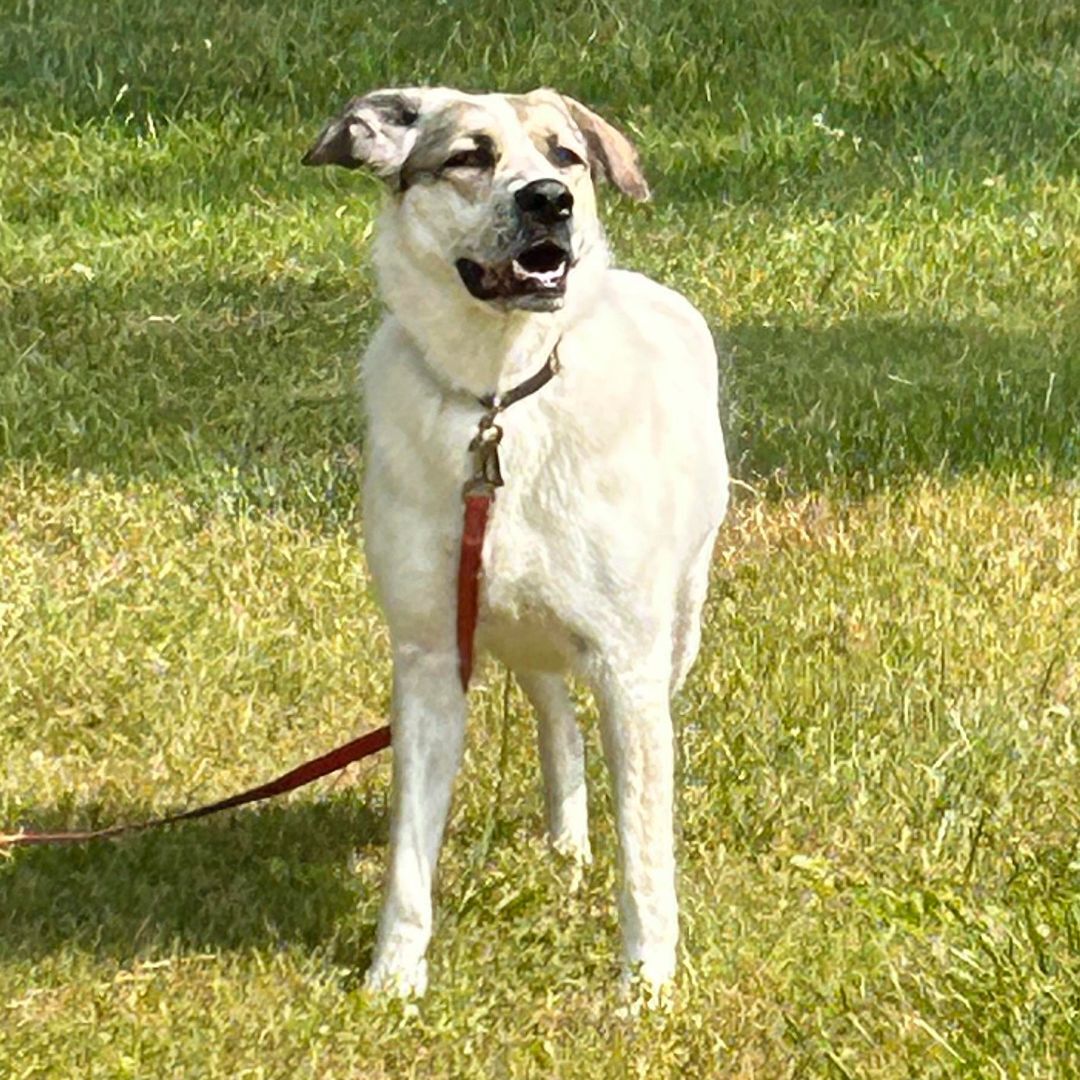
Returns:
<point x="534" y="278"/>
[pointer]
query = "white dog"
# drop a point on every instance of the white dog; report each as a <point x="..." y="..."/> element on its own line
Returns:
<point x="490" y="257"/>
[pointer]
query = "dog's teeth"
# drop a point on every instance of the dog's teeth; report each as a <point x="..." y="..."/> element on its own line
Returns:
<point x="546" y="278"/>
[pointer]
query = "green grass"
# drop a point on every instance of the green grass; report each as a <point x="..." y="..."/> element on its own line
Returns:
<point x="877" y="207"/>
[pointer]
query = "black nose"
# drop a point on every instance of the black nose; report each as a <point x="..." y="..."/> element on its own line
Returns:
<point x="545" y="201"/>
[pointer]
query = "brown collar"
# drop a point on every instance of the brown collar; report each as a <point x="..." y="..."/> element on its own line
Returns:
<point x="487" y="476"/>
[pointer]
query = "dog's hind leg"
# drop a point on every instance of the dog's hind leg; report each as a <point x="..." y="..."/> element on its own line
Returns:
<point x="428" y="722"/>
<point x="562" y="763"/>
<point x="689" y="600"/>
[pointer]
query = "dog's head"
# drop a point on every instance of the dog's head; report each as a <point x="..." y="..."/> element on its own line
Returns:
<point x="492" y="191"/>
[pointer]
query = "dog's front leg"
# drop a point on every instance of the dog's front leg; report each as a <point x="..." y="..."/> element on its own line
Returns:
<point x="428" y="721"/>
<point x="638" y="744"/>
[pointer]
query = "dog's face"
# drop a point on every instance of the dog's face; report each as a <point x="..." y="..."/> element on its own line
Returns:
<point x="494" y="190"/>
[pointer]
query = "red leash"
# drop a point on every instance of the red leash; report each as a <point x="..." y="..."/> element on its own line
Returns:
<point x="477" y="509"/>
<point x="362" y="747"/>
<point x="479" y="495"/>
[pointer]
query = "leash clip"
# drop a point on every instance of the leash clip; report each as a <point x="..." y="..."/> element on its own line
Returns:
<point x="487" y="475"/>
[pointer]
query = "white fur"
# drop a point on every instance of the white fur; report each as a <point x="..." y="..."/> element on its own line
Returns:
<point x="596" y="558"/>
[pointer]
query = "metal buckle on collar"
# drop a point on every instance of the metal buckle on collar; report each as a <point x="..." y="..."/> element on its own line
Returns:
<point x="487" y="475"/>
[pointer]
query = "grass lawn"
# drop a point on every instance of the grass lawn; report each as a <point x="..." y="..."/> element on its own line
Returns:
<point x="878" y="208"/>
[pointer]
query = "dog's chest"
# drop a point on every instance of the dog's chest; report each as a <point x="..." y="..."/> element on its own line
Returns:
<point x="531" y="585"/>
<point x="547" y="549"/>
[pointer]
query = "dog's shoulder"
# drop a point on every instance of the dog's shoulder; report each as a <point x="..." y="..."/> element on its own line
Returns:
<point x="653" y="311"/>
<point x="642" y="297"/>
<point x="637" y="317"/>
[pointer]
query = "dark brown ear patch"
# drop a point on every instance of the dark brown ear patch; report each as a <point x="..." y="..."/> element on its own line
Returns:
<point x="337" y="144"/>
<point x="610" y="151"/>
<point x="375" y="131"/>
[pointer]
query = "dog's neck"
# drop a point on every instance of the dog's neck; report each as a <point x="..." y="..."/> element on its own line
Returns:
<point x="477" y="351"/>
<point x="468" y="345"/>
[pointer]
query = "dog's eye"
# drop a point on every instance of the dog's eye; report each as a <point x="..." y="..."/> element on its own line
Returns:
<point x="564" y="157"/>
<point x="480" y="157"/>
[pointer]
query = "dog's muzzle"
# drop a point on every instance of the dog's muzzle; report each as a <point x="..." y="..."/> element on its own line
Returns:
<point x="534" y="276"/>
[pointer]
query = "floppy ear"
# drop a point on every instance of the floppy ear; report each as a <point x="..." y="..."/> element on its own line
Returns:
<point x="375" y="131"/>
<point x="610" y="150"/>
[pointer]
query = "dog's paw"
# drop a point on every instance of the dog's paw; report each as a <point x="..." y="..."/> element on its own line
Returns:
<point x="648" y="984"/>
<point x="573" y="846"/>
<point x="575" y="851"/>
<point x="393" y="978"/>
<point x="640" y="994"/>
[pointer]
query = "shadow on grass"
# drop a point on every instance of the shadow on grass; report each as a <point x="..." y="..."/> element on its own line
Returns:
<point x="275" y="876"/>
<point x="873" y="401"/>
<point x="242" y="390"/>
<point x="975" y="84"/>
